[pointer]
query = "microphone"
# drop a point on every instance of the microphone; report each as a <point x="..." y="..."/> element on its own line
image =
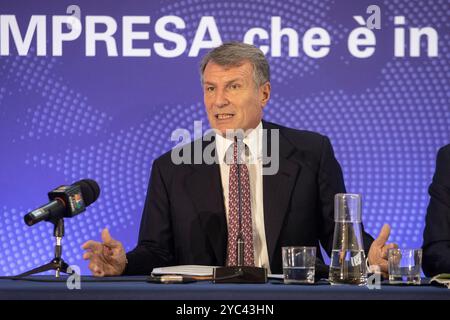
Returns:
<point x="65" y="202"/>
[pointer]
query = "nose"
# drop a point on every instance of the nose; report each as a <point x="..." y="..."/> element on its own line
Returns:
<point x="221" y="99"/>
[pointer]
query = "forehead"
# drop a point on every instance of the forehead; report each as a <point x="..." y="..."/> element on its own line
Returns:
<point x="216" y="73"/>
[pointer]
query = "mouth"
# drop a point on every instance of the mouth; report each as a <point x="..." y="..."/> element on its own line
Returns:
<point x="224" y="116"/>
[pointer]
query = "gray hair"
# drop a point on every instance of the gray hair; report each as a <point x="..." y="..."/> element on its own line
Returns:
<point x="234" y="54"/>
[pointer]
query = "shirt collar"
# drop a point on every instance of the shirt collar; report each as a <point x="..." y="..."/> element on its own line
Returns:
<point x="253" y="140"/>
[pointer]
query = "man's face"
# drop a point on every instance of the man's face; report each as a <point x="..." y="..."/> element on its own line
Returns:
<point x="231" y="98"/>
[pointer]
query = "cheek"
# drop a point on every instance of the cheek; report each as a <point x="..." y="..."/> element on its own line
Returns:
<point x="253" y="110"/>
<point x="207" y="104"/>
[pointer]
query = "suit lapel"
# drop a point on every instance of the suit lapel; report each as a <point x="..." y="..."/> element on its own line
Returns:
<point x="277" y="190"/>
<point x="205" y="188"/>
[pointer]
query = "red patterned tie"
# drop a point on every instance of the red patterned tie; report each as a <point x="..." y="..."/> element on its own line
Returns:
<point x="233" y="219"/>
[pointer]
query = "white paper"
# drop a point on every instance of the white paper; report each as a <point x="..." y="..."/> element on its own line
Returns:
<point x="442" y="279"/>
<point x="186" y="270"/>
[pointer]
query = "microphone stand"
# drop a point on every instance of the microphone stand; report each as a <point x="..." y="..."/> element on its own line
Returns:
<point x="57" y="264"/>
<point x="239" y="273"/>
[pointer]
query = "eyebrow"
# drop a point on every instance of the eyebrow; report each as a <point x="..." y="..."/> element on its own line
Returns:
<point x="227" y="83"/>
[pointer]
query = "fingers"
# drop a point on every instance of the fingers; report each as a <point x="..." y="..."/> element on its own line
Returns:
<point x="385" y="249"/>
<point x="95" y="262"/>
<point x="100" y="255"/>
<point x="108" y="240"/>
<point x="107" y="251"/>
<point x="96" y="267"/>
<point x="381" y="267"/>
<point x="93" y="246"/>
<point x="384" y="270"/>
<point x="88" y="255"/>
<point x="383" y="236"/>
<point x="96" y="270"/>
<point x="108" y="255"/>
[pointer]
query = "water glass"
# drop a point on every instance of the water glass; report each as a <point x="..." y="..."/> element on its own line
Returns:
<point x="299" y="264"/>
<point x="404" y="266"/>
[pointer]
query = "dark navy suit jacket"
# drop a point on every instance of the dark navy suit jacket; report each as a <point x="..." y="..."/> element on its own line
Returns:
<point x="184" y="218"/>
<point x="436" y="244"/>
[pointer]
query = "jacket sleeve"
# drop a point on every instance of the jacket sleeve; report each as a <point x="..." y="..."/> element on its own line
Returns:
<point x="436" y="245"/>
<point x="155" y="244"/>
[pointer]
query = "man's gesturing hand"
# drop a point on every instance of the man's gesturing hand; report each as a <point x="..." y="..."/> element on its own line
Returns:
<point x="107" y="258"/>
<point x="378" y="253"/>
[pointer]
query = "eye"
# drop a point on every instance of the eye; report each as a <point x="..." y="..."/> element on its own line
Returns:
<point x="235" y="86"/>
<point x="209" y="88"/>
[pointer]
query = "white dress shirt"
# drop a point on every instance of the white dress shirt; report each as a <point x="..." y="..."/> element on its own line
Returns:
<point x="253" y="142"/>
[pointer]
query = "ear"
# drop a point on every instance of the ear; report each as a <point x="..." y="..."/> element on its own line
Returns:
<point x="264" y="93"/>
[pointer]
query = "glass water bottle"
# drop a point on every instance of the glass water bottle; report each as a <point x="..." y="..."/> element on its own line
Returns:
<point x="348" y="261"/>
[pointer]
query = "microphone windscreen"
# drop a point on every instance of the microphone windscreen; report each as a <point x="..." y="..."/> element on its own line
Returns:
<point x="89" y="189"/>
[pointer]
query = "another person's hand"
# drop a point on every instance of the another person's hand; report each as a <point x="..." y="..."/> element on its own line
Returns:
<point x="107" y="258"/>
<point x="378" y="253"/>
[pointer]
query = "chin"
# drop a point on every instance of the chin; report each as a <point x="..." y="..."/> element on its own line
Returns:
<point x="222" y="130"/>
<point x="224" y="127"/>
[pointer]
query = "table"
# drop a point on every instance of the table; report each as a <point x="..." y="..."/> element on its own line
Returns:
<point x="135" y="288"/>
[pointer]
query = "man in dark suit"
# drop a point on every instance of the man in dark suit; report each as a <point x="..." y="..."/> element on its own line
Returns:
<point x="436" y="236"/>
<point x="190" y="210"/>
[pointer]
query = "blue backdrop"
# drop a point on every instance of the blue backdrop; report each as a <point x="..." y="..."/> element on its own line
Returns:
<point x="64" y="118"/>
